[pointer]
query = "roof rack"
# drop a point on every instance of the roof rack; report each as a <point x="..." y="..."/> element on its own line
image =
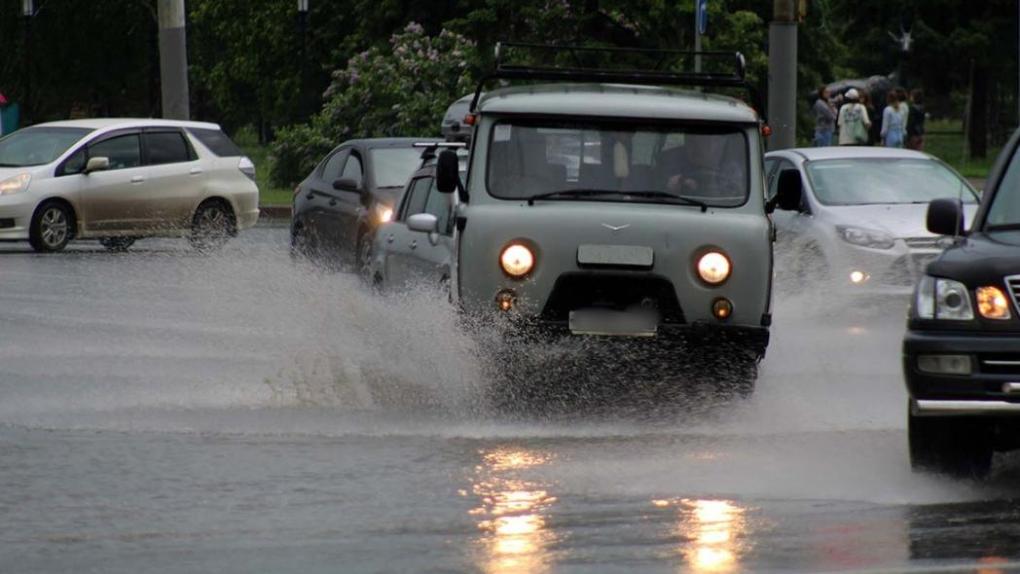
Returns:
<point x="656" y="76"/>
<point x="429" y="148"/>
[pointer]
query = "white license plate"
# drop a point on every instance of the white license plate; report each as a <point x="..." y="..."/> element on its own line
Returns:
<point x="616" y="255"/>
<point x="608" y="322"/>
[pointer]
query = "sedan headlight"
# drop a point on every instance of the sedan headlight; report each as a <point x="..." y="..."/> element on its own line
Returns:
<point x="938" y="298"/>
<point x="866" y="237"/>
<point x="383" y="213"/>
<point x="15" y="184"/>
<point x="714" y="268"/>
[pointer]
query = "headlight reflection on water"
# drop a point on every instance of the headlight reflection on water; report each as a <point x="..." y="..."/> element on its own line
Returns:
<point x="712" y="531"/>
<point x="512" y="515"/>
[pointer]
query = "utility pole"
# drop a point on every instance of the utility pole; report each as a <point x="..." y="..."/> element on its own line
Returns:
<point x="28" y="11"/>
<point x="173" y="59"/>
<point x="783" y="75"/>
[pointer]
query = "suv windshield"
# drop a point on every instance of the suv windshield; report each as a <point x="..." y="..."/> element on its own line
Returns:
<point x="1004" y="213"/>
<point x="37" y="146"/>
<point x="597" y="160"/>
<point x="393" y="166"/>
<point x="862" y="181"/>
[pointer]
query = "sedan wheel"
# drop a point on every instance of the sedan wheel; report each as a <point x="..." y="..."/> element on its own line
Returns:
<point x="51" y="228"/>
<point x="211" y="227"/>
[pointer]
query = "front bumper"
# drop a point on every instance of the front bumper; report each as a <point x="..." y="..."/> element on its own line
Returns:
<point x="992" y="388"/>
<point x="892" y="272"/>
<point x="16" y="215"/>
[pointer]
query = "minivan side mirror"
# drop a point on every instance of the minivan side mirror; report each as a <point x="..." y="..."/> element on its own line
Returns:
<point x="347" y="184"/>
<point x="945" y="216"/>
<point x="447" y="171"/>
<point x="789" y="192"/>
<point x="424" y="222"/>
<point x="99" y="163"/>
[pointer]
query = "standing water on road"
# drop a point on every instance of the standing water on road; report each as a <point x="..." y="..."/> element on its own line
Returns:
<point x="162" y="411"/>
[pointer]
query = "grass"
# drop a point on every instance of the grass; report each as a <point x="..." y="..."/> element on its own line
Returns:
<point x="945" y="139"/>
<point x="259" y="154"/>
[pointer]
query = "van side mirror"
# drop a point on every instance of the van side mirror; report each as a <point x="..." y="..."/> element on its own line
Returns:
<point x="789" y="192"/>
<point x="945" y="216"/>
<point x="100" y="163"/>
<point x="447" y="171"/>
<point x="424" y="222"/>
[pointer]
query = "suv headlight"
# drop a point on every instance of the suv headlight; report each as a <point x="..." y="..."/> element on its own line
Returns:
<point x="866" y="237"/>
<point x="15" y="184"/>
<point x="938" y="298"/>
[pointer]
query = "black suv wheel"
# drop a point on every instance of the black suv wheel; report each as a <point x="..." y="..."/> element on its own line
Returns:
<point x="958" y="446"/>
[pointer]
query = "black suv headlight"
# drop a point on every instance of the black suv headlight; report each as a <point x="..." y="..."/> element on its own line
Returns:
<point x="945" y="299"/>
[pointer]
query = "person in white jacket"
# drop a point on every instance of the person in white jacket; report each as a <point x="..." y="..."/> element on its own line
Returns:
<point x="853" y="120"/>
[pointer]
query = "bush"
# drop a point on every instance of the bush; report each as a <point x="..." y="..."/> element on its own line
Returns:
<point x="400" y="92"/>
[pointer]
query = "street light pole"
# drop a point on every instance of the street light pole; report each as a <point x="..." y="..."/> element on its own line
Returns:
<point x="303" y="99"/>
<point x="28" y="11"/>
<point x="783" y="75"/>
<point x="173" y="59"/>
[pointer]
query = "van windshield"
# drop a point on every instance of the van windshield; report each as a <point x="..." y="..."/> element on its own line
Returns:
<point x="37" y="146"/>
<point x="613" y="160"/>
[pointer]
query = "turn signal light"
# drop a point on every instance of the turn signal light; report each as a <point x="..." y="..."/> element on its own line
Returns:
<point x="992" y="303"/>
<point x="505" y="299"/>
<point x="722" y="308"/>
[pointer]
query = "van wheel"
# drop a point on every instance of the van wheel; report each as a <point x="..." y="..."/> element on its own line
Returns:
<point x="957" y="446"/>
<point x="51" y="227"/>
<point x="212" y="225"/>
<point x="117" y="244"/>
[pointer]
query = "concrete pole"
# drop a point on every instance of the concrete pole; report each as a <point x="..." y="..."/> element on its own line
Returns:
<point x="783" y="75"/>
<point x="173" y="60"/>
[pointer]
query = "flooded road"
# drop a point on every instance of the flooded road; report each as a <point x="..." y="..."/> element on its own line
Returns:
<point x="162" y="411"/>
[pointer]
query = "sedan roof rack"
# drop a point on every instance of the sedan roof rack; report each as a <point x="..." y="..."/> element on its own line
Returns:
<point x="658" y="75"/>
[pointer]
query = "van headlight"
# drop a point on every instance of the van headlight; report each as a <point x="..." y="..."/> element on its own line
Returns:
<point x="15" y="184"/>
<point x="938" y="298"/>
<point x="517" y="260"/>
<point x="714" y="267"/>
<point x="866" y="237"/>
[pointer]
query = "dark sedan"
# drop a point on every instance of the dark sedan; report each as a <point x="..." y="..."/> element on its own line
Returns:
<point x="961" y="353"/>
<point x="348" y="194"/>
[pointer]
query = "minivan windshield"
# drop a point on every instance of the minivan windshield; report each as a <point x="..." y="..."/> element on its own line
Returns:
<point x="604" y="160"/>
<point x="393" y="166"/>
<point x="864" y="181"/>
<point x="38" y="145"/>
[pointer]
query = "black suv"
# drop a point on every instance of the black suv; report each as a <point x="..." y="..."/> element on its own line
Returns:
<point x="961" y="353"/>
<point x="351" y="192"/>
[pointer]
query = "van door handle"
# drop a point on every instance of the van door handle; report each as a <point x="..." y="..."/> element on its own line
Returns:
<point x="414" y="244"/>
<point x="138" y="179"/>
<point x="195" y="171"/>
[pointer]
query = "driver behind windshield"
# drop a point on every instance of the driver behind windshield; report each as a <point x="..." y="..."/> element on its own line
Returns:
<point x="704" y="166"/>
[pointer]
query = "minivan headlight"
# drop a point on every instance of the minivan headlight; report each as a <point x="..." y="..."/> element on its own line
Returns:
<point x="938" y="298"/>
<point x="15" y="184"/>
<point x="866" y="237"/>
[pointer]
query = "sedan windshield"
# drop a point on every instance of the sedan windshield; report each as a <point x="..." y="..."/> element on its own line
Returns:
<point x="862" y="181"/>
<point x="37" y="146"/>
<point x="393" y="166"/>
<point x="612" y="161"/>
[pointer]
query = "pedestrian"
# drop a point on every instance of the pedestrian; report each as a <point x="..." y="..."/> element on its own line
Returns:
<point x="915" y="121"/>
<point x="825" y="118"/>
<point x="894" y="120"/>
<point x="853" y="120"/>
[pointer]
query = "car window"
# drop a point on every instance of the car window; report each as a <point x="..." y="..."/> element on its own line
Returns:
<point x="331" y="169"/>
<point x="440" y="205"/>
<point x="37" y="146"/>
<point x="166" y="147"/>
<point x="123" y="151"/>
<point x="352" y="169"/>
<point x="862" y="181"/>
<point x="773" y="178"/>
<point x="393" y="166"/>
<point x="216" y="141"/>
<point x="74" y="164"/>
<point x="416" y="196"/>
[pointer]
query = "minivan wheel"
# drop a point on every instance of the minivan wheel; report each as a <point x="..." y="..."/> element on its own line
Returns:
<point x="212" y="225"/>
<point x="957" y="446"/>
<point x="117" y="244"/>
<point x="51" y="227"/>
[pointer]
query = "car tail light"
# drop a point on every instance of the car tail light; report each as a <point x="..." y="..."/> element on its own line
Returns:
<point x="247" y="168"/>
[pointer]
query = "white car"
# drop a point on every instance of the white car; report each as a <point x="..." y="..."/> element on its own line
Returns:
<point x="860" y="226"/>
<point x="117" y="180"/>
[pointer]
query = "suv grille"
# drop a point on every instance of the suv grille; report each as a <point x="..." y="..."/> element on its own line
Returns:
<point x="617" y="291"/>
<point x="1013" y="282"/>
<point x="1000" y="363"/>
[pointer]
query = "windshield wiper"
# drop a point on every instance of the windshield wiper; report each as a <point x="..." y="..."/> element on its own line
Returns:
<point x="575" y="193"/>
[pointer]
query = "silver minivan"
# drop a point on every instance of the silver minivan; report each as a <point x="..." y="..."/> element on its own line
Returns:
<point x="609" y="205"/>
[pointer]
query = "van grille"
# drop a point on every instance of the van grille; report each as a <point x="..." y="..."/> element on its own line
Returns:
<point x="618" y="291"/>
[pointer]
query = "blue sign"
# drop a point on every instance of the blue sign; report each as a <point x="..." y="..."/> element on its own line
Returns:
<point x="701" y="15"/>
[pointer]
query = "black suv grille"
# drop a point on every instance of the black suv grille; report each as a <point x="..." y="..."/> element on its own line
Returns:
<point x="1013" y="282"/>
<point x="1000" y="363"/>
<point x="618" y="291"/>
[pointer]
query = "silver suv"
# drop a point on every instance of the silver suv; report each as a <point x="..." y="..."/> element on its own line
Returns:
<point x="610" y="206"/>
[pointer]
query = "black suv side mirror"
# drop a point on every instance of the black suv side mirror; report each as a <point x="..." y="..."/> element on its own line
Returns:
<point x="447" y="171"/>
<point x="789" y="192"/>
<point x="945" y="216"/>
<point x="346" y="184"/>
